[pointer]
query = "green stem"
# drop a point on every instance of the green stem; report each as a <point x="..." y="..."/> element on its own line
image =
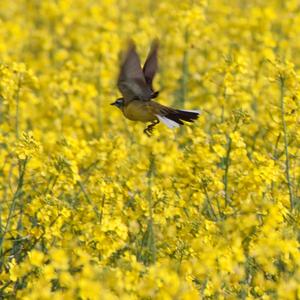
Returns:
<point x="102" y="208"/>
<point x="227" y="164"/>
<point x="16" y="196"/>
<point x="211" y="209"/>
<point x="285" y="136"/>
<point x="89" y="200"/>
<point x="276" y="156"/>
<point x="151" y="234"/>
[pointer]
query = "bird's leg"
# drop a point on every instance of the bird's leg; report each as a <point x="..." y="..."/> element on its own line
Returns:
<point x="149" y="129"/>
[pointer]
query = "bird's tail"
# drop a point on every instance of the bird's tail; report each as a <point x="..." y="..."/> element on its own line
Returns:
<point x="175" y="117"/>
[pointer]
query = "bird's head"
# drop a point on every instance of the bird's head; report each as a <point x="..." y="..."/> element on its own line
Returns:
<point x="118" y="103"/>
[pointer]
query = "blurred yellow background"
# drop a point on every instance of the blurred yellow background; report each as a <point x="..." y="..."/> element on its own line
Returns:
<point x="91" y="208"/>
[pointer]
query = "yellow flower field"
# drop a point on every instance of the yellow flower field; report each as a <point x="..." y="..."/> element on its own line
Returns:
<point x="91" y="208"/>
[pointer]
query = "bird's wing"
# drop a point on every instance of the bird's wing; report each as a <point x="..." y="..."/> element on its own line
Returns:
<point x="131" y="81"/>
<point x="151" y="64"/>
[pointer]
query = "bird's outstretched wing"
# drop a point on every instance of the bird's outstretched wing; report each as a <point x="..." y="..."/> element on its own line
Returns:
<point x="131" y="81"/>
<point x="151" y="64"/>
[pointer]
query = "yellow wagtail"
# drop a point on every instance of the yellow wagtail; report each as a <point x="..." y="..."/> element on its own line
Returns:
<point x="135" y="85"/>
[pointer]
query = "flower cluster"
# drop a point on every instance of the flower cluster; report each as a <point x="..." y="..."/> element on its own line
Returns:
<point x="91" y="208"/>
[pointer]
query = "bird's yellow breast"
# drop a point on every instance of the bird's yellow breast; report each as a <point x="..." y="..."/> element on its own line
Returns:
<point x="139" y="111"/>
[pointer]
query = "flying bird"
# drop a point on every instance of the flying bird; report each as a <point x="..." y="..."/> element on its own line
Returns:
<point x="136" y="86"/>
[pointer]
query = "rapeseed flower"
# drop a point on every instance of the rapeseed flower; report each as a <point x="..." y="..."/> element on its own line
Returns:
<point x="91" y="208"/>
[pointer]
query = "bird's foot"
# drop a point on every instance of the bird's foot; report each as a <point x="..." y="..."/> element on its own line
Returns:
<point x="149" y="129"/>
<point x="148" y="132"/>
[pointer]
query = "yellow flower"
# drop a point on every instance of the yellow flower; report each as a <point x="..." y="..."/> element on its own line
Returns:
<point x="59" y="259"/>
<point x="92" y="208"/>
<point x="36" y="258"/>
